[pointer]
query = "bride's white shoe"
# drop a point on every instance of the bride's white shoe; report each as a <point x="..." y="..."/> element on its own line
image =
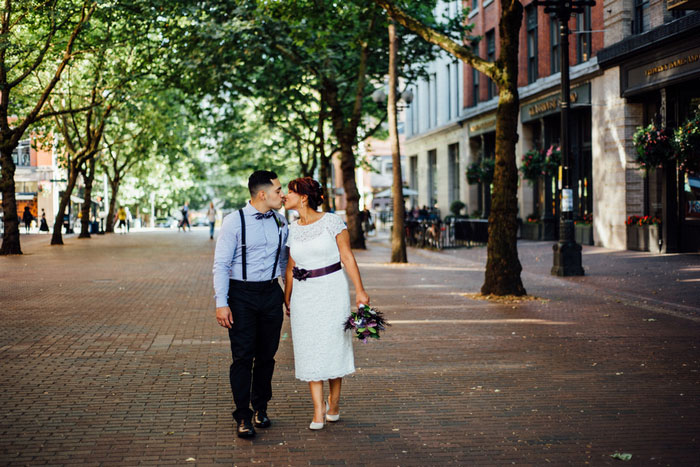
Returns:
<point x="319" y="426"/>
<point x="331" y="418"/>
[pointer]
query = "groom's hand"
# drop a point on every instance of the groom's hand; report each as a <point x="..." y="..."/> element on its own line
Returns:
<point x="224" y="316"/>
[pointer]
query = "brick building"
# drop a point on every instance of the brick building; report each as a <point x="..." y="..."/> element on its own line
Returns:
<point x="444" y="137"/>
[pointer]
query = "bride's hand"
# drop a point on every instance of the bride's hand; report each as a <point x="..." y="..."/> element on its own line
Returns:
<point x="286" y="308"/>
<point x="361" y="298"/>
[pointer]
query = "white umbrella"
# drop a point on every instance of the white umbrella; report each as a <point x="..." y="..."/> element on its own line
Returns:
<point x="387" y="193"/>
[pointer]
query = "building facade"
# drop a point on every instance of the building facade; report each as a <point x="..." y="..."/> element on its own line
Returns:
<point x="607" y="107"/>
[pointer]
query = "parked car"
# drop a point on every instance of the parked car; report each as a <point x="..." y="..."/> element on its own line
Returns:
<point x="166" y="222"/>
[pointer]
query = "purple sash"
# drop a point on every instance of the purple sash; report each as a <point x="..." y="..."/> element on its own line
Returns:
<point x="303" y="274"/>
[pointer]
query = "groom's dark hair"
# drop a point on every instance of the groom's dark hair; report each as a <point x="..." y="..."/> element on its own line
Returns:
<point x="259" y="180"/>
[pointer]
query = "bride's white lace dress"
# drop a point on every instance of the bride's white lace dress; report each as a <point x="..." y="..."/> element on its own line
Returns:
<point x="319" y="306"/>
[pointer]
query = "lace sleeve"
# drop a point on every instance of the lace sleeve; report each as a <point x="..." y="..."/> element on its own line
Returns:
<point x="335" y="224"/>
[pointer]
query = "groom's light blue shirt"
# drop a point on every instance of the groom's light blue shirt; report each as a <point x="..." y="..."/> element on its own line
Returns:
<point x="262" y="238"/>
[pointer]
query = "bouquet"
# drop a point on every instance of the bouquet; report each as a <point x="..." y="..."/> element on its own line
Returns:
<point x="366" y="322"/>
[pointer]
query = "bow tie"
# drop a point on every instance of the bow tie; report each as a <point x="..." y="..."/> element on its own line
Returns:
<point x="266" y="215"/>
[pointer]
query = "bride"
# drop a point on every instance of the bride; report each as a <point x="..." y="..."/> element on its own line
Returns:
<point x="317" y="297"/>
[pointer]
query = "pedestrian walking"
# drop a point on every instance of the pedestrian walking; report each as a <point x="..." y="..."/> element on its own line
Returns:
<point x="185" y="221"/>
<point x="211" y="217"/>
<point x="44" y="226"/>
<point x="249" y="257"/>
<point x="121" y="216"/>
<point x="318" y="299"/>
<point x="27" y="218"/>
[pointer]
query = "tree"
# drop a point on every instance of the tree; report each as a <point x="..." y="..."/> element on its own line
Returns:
<point x="38" y="37"/>
<point x="502" y="266"/>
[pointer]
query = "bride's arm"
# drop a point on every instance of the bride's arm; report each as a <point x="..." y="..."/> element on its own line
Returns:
<point x="348" y="259"/>
<point x="288" y="281"/>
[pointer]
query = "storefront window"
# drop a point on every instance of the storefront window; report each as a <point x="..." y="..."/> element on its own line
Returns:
<point x="692" y="196"/>
<point x="455" y="173"/>
<point x="432" y="177"/>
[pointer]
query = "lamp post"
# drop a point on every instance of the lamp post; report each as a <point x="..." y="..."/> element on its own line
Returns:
<point x="567" y="253"/>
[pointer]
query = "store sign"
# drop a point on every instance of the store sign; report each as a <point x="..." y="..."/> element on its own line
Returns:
<point x="580" y="95"/>
<point x="483" y="125"/>
<point x="648" y="75"/>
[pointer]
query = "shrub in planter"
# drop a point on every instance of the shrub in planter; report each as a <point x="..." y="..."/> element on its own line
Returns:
<point x="456" y="207"/>
<point x="654" y="146"/>
<point x="531" y="229"/>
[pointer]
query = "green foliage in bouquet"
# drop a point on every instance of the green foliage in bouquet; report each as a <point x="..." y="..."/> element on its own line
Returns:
<point x="654" y="146"/>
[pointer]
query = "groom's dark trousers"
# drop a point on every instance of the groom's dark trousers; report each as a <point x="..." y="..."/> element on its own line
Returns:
<point x="257" y="320"/>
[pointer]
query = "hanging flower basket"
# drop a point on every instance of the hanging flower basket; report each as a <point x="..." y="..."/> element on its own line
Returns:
<point x="687" y="142"/>
<point x="654" y="147"/>
<point x="481" y="172"/>
<point x="536" y="163"/>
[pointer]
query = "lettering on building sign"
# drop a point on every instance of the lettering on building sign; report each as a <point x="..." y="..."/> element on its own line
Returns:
<point x="482" y="125"/>
<point x="672" y="64"/>
<point x="549" y="105"/>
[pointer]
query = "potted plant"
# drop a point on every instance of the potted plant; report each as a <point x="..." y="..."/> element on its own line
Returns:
<point x="644" y="233"/>
<point x="583" y="230"/>
<point x="687" y="142"/>
<point x="531" y="229"/>
<point x="654" y="146"/>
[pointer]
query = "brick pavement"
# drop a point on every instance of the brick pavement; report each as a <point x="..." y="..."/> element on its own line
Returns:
<point x="109" y="355"/>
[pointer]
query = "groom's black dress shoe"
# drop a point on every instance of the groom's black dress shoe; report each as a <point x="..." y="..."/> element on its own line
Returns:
<point x="261" y="420"/>
<point x="245" y="429"/>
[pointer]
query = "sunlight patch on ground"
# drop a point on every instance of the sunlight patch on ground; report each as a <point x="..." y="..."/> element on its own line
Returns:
<point x="505" y="299"/>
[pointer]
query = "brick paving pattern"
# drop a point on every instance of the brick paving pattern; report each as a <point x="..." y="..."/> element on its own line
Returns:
<point x="110" y="355"/>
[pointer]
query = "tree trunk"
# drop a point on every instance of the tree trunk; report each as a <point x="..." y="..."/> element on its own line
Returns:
<point x="89" y="177"/>
<point x="57" y="238"/>
<point x="114" y="185"/>
<point x="398" y="237"/>
<point x="503" y="266"/>
<point x="10" y="238"/>
<point x="324" y="162"/>
<point x="352" y="195"/>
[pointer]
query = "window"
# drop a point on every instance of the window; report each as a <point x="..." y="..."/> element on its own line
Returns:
<point x="475" y="5"/>
<point x="455" y="88"/>
<point x="448" y="92"/>
<point x="432" y="100"/>
<point x="491" y="57"/>
<point x="20" y="155"/>
<point x="554" y="41"/>
<point x="531" y="14"/>
<point x="640" y="20"/>
<point x="583" y="38"/>
<point x="475" y="78"/>
<point x="414" y="113"/>
<point x="432" y="176"/>
<point x="453" y="156"/>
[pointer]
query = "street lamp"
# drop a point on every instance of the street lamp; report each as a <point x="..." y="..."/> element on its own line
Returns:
<point x="567" y="253"/>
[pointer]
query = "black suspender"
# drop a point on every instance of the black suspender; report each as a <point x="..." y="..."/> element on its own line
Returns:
<point x="279" y="246"/>
<point x="245" y="275"/>
<point x="243" y="245"/>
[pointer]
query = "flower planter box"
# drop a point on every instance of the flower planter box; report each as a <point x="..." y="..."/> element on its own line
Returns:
<point x="643" y="238"/>
<point x="584" y="234"/>
<point x="531" y="231"/>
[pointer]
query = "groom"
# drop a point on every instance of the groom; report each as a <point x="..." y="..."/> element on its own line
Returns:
<point x="250" y="256"/>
